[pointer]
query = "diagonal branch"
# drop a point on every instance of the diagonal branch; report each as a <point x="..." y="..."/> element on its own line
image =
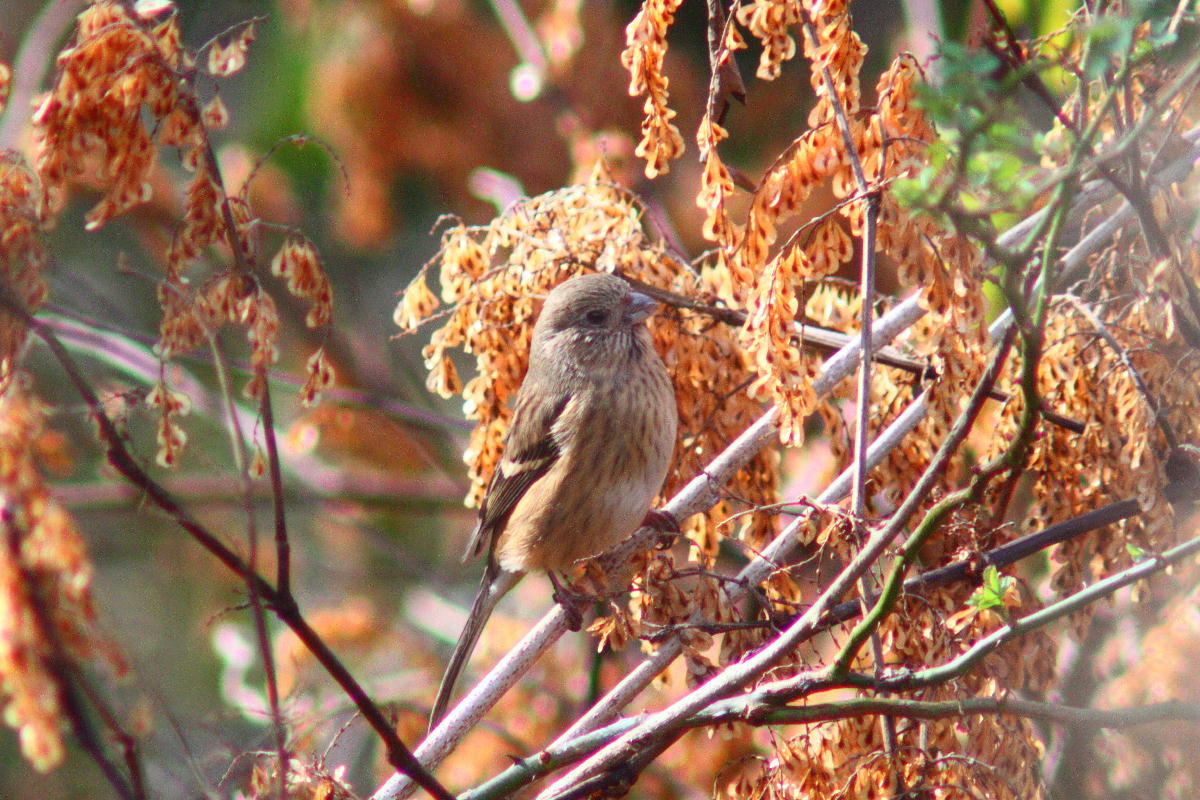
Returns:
<point x="553" y="625"/>
<point x="1051" y="613"/>
<point x="699" y="494"/>
<point x="738" y="675"/>
<point x="399" y="756"/>
<point x="60" y="665"/>
<point x="566" y="750"/>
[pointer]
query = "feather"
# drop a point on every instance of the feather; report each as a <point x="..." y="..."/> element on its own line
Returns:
<point x="530" y="450"/>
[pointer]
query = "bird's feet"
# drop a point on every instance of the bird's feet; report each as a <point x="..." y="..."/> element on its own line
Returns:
<point x="571" y="601"/>
<point x="666" y="525"/>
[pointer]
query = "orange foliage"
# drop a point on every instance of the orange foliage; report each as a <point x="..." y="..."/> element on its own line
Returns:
<point x="1116" y="351"/>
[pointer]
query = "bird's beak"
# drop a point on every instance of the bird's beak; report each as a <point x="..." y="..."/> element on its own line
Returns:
<point x="640" y="307"/>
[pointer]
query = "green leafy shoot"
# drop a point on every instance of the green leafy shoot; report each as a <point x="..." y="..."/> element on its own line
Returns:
<point x="991" y="594"/>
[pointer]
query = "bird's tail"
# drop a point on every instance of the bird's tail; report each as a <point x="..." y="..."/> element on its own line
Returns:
<point x="496" y="583"/>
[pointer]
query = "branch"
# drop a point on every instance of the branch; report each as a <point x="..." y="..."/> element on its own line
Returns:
<point x="133" y="352"/>
<point x="698" y="495"/>
<point x="59" y="664"/>
<point x="739" y="674"/>
<point x="366" y="487"/>
<point x="568" y="750"/>
<point x="1068" y="605"/>
<point x="133" y="355"/>
<point x="725" y="79"/>
<point x="1003" y="555"/>
<point x="769" y="696"/>
<point x="1098" y="191"/>
<point x="919" y="494"/>
<point x="736" y="711"/>
<point x="284" y="605"/>
<point x="825" y="340"/>
<point x="238" y="448"/>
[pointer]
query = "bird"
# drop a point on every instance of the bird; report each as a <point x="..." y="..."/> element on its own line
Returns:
<point x="592" y="436"/>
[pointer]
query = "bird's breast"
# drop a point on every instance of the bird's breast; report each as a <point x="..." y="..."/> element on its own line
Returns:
<point x="616" y="444"/>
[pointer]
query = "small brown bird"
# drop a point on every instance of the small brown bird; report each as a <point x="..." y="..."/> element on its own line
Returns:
<point x="592" y="435"/>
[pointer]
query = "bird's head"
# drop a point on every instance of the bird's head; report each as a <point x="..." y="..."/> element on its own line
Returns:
<point x="596" y="321"/>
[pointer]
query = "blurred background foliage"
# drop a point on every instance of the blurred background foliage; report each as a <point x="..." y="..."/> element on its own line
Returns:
<point x="413" y="110"/>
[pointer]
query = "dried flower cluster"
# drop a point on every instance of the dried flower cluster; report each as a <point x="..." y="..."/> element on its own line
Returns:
<point x="1092" y="381"/>
<point x="493" y="279"/>
<point x="305" y="781"/>
<point x="1129" y="381"/>
<point x="124" y="93"/>
<point x="22" y="257"/>
<point x="46" y="614"/>
<point x="643" y="57"/>
<point x="126" y="89"/>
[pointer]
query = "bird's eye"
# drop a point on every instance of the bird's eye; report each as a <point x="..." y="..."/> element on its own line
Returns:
<point x="597" y="316"/>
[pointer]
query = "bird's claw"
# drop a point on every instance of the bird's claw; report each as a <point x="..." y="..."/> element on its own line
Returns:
<point x="666" y="525"/>
<point x="570" y="601"/>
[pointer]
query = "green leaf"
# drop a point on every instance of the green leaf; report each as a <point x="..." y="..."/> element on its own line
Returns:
<point x="991" y="593"/>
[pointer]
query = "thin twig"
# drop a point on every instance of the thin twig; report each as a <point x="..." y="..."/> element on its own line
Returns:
<point x="399" y="756"/>
<point x="1079" y="600"/>
<point x="1002" y="556"/>
<point x="568" y="750"/>
<point x="699" y="494"/>
<point x="1112" y="719"/>
<point x="133" y="351"/>
<point x="725" y="79"/>
<point x="858" y="492"/>
<point x="919" y="495"/>
<point x="824" y="340"/>
<point x="283" y="551"/>
<point x="1122" y="355"/>
<point x="520" y="33"/>
<point x="237" y="445"/>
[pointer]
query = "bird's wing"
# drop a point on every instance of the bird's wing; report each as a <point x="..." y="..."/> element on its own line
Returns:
<point x="529" y="451"/>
